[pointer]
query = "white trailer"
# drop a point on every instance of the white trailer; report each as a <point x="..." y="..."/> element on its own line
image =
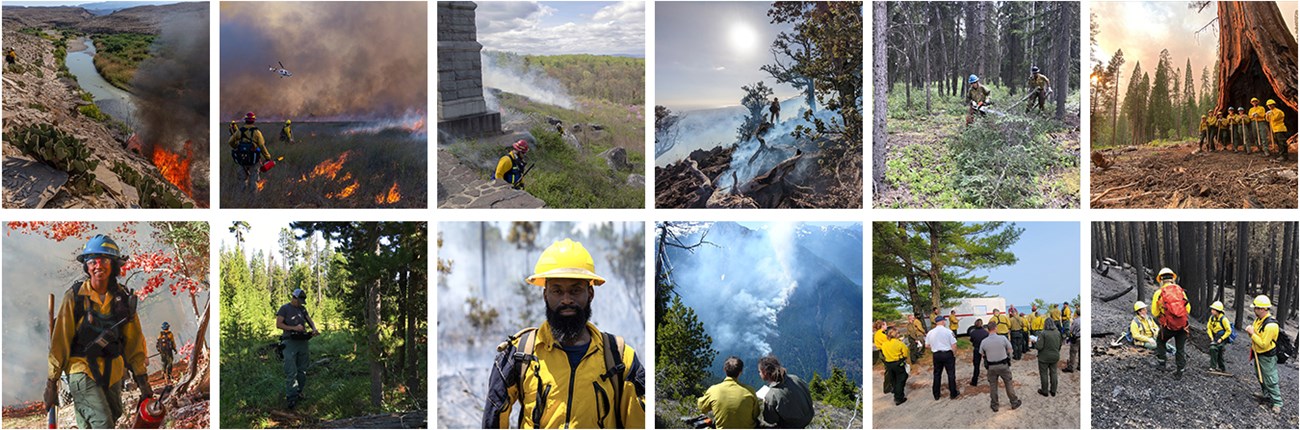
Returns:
<point x="971" y="309"/>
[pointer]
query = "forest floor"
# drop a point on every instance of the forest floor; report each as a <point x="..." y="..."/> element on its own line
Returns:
<point x="189" y="411"/>
<point x="971" y="407"/>
<point x="338" y="384"/>
<point x="1128" y="391"/>
<point x="1000" y="161"/>
<point x="1177" y="175"/>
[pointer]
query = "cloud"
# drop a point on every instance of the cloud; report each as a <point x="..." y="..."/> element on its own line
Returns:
<point x="719" y="68"/>
<point x="550" y="29"/>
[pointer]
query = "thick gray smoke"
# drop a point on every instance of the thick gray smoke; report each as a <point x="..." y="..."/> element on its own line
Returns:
<point x="350" y="60"/>
<point x="172" y="92"/>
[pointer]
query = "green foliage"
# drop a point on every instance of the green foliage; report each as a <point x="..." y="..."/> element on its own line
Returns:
<point x="616" y="79"/>
<point x="118" y="56"/>
<point x="837" y="391"/>
<point x="996" y="163"/>
<point x="92" y="111"/>
<point x="480" y="315"/>
<point x="832" y="58"/>
<point x="60" y="150"/>
<point x="153" y="193"/>
<point x="755" y="100"/>
<point x="904" y="261"/>
<point x="683" y="352"/>
<point x="926" y="170"/>
<point x="566" y="177"/>
<point x="38" y="106"/>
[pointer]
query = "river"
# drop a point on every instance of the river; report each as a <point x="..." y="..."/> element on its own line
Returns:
<point x="111" y="100"/>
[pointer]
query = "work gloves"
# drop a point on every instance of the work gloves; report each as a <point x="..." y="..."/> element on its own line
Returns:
<point x="51" y="393"/>
<point x="142" y="381"/>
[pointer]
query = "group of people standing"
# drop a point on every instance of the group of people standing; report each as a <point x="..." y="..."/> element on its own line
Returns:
<point x="1262" y="127"/>
<point x="1166" y="319"/>
<point x="995" y="344"/>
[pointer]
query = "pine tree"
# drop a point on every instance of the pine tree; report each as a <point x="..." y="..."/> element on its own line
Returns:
<point x="1158" y="104"/>
<point x="683" y="352"/>
<point x="1190" y="121"/>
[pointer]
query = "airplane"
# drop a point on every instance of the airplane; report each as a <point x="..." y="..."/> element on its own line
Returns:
<point x="283" y="73"/>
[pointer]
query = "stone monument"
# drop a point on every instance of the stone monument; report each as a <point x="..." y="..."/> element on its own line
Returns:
<point x="462" y="112"/>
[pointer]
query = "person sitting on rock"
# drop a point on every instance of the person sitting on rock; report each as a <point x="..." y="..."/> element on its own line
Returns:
<point x="1143" y="329"/>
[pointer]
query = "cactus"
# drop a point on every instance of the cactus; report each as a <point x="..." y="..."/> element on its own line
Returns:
<point x="59" y="150"/>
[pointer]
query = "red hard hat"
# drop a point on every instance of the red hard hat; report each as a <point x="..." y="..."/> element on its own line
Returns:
<point x="521" y="145"/>
<point x="250" y="117"/>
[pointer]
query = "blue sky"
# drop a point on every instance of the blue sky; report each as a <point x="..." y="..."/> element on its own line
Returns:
<point x="1048" y="266"/>
<point x="705" y="51"/>
<point x="551" y="28"/>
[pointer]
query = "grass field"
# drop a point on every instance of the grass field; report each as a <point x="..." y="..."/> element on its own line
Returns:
<point x="331" y="167"/>
<point x="118" y="55"/>
<point x="338" y="383"/>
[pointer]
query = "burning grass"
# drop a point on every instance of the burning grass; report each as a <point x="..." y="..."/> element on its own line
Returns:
<point x="334" y="168"/>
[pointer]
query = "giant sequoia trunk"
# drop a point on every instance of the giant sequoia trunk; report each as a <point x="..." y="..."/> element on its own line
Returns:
<point x="1257" y="58"/>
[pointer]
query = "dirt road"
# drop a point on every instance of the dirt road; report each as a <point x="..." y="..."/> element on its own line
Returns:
<point x="971" y="408"/>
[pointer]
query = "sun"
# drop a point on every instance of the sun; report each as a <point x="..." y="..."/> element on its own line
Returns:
<point x="742" y="38"/>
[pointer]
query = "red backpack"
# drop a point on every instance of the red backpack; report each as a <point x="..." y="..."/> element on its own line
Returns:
<point x="1173" y="307"/>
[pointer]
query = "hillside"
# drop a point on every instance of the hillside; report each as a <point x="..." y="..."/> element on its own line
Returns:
<point x="94" y="168"/>
<point x="139" y="19"/>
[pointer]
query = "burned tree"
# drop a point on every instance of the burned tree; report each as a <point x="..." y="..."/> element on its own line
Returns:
<point x="1257" y="57"/>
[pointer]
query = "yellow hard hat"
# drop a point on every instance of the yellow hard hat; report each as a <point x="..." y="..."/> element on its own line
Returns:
<point x="565" y="259"/>
<point x="287" y="122"/>
<point x="1167" y="271"/>
<point x="1218" y="306"/>
<point x="1262" y="301"/>
<point x="1254" y="99"/>
<point x="1138" y="305"/>
<point x="1270" y="102"/>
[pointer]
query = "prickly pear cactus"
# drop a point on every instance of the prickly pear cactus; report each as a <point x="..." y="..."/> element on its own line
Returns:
<point x="60" y="150"/>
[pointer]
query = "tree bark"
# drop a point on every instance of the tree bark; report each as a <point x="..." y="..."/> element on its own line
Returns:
<point x="1239" y="292"/>
<point x="880" y="78"/>
<point x="1257" y="57"/>
<point x="1135" y="244"/>
<point x="372" y="324"/>
<point x="936" y="264"/>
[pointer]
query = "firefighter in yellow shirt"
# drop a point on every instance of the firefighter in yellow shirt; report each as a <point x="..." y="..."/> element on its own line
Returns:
<point x="96" y="338"/>
<point x="1201" y="144"/>
<point x="1258" y="125"/>
<point x="512" y="166"/>
<point x="1277" y="122"/>
<point x="1263" y="350"/>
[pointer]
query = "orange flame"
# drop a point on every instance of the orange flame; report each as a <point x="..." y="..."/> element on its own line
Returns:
<point x="174" y="166"/>
<point x="393" y="196"/>
<point x="261" y="183"/>
<point x="345" y="193"/>
<point x="417" y="125"/>
<point x="331" y="166"/>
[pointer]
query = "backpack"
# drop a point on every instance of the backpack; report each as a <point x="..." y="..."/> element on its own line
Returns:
<point x="246" y="153"/>
<point x="614" y="372"/>
<point x="1284" y="346"/>
<point x="1173" y="305"/>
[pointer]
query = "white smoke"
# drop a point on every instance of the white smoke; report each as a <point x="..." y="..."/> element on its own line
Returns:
<point x="738" y="289"/>
<point x="507" y="72"/>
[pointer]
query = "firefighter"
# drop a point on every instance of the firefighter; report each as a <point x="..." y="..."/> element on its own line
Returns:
<point x="286" y="134"/>
<point x="166" y="346"/>
<point x="293" y="319"/>
<point x="1258" y="125"/>
<point x="1039" y="85"/>
<point x="977" y="97"/>
<point x="510" y="167"/>
<point x="96" y="338"/>
<point x="1277" y="122"/>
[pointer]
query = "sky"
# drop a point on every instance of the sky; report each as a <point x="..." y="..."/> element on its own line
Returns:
<point x="1047" y="266"/>
<point x="77" y="3"/>
<point x="553" y="28"/>
<point x="705" y="51"/>
<point x="1143" y="29"/>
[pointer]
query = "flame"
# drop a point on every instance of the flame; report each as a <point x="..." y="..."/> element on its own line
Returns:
<point x="261" y="183"/>
<point x="175" y="167"/>
<point x="393" y="196"/>
<point x="345" y="193"/>
<point x="417" y="125"/>
<point x="331" y="166"/>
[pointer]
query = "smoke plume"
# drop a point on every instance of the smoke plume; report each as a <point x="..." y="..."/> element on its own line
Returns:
<point x="509" y="73"/>
<point x="350" y="60"/>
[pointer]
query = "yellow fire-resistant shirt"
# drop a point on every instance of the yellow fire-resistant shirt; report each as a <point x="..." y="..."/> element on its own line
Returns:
<point x="1277" y="120"/>
<point x="1203" y="124"/>
<point x="1143" y="329"/>
<point x="1039" y="81"/>
<point x="952" y="323"/>
<point x="1256" y="113"/>
<point x="1218" y="328"/>
<point x="894" y="350"/>
<point x="1265" y="337"/>
<point x="1039" y="322"/>
<point x="733" y="405"/>
<point x="1004" y="323"/>
<point x="878" y="338"/>
<point x="1017" y="323"/>
<point x="65" y="328"/>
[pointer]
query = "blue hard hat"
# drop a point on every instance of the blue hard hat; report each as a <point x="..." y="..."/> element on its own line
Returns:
<point x="973" y="79"/>
<point x="166" y="326"/>
<point x="299" y="294"/>
<point x="100" y="245"/>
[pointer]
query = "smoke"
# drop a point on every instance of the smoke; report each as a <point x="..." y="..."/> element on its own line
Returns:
<point x="38" y="267"/>
<point x="738" y="289"/>
<point x="172" y="90"/>
<point x="509" y="73"/>
<point x="350" y="60"/>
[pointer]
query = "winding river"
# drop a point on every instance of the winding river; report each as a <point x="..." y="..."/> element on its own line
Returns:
<point x="112" y="100"/>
